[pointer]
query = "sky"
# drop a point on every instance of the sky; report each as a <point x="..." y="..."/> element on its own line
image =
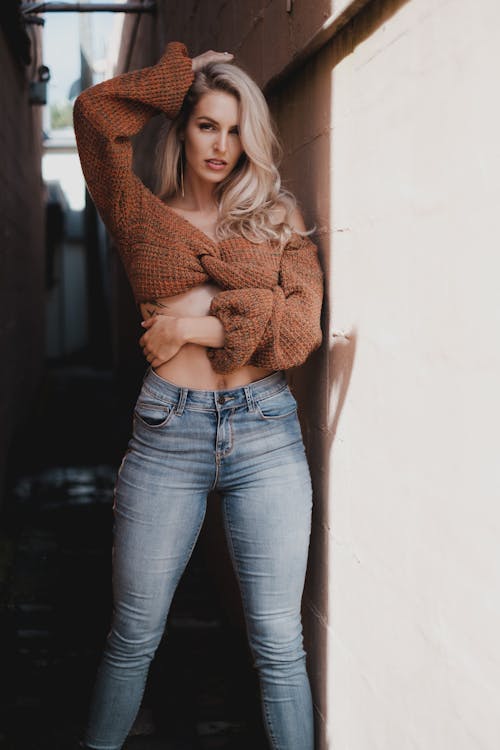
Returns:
<point x="61" y="53"/>
<point x="61" y="47"/>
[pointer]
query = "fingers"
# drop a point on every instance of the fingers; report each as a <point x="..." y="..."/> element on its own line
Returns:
<point x="153" y="359"/>
<point x="148" y="323"/>
<point x="144" y="346"/>
<point x="149" y="354"/>
<point x="211" y="56"/>
<point x="161" y="341"/>
<point x="144" y="342"/>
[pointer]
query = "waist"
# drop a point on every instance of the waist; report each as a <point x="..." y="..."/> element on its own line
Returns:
<point x="213" y="400"/>
<point x="192" y="368"/>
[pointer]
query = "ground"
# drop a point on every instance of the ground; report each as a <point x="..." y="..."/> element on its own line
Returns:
<point x="55" y="574"/>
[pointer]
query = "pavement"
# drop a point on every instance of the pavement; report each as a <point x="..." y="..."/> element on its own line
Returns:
<point x="55" y="593"/>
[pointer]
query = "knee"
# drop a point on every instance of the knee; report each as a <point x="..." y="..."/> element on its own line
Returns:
<point x="132" y="642"/>
<point x="278" y="643"/>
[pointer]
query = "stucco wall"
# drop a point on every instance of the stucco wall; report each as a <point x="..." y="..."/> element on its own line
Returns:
<point x="413" y="521"/>
<point x="391" y="144"/>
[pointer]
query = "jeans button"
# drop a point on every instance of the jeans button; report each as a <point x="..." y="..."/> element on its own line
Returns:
<point x="221" y="400"/>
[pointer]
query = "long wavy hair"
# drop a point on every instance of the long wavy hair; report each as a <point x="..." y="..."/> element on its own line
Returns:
<point x="251" y="197"/>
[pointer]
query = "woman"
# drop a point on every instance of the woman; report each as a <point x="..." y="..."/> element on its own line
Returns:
<point x="230" y="290"/>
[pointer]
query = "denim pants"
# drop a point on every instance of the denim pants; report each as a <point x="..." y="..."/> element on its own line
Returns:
<point x="246" y="444"/>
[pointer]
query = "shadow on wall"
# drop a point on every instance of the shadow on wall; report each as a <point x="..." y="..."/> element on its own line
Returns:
<point x="342" y="355"/>
<point x="302" y="104"/>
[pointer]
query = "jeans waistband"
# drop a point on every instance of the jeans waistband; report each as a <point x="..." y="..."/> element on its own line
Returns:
<point x="183" y="397"/>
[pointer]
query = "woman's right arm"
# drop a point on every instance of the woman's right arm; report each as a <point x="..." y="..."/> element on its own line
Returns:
<point x="108" y="114"/>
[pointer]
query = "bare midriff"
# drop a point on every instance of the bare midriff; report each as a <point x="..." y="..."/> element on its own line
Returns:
<point x="191" y="367"/>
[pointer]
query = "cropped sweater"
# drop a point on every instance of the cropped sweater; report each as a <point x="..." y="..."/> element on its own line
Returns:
<point x="270" y="298"/>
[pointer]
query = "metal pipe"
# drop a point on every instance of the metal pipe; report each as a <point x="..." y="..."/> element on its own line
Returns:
<point x="148" y="6"/>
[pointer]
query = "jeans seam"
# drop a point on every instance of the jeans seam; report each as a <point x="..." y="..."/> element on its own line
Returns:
<point x="230" y="435"/>
<point x="230" y="544"/>
<point x="154" y="394"/>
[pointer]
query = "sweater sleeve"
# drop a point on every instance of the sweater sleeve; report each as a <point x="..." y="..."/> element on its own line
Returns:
<point x="108" y="114"/>
<point x="274" y="328"/>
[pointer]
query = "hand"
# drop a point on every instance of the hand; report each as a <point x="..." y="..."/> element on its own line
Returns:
<point x="162" y="340"/>
<point x="210" y="56"/>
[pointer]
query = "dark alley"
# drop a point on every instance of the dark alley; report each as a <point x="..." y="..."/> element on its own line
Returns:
<point x="247" y="247"/>
<point x="56" y="598"/>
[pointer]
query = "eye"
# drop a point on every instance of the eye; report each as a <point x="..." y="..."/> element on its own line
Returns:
<point x="235" y="131"/>
<point x="206" y="126"/>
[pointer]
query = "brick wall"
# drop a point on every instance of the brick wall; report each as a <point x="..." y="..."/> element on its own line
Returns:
<point x="21" y="251"/>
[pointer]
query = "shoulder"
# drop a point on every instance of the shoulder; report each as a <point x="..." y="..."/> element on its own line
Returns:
<point x="293" y="217"/>
<point x="296" y="220"/>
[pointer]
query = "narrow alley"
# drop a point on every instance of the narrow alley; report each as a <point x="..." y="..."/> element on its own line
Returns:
<point x="56" y="598"/>
<point x="387" y="119"/>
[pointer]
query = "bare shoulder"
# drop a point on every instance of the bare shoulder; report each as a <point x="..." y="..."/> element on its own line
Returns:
<point x="295" y="218"/>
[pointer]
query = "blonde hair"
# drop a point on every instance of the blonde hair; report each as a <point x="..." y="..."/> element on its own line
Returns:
<point x="251" y="195"/>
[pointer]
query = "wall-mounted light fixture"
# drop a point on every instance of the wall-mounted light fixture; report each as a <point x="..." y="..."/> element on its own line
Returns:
<point x="38" y="88"/>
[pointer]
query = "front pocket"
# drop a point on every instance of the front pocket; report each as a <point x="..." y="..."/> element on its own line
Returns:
<point x="277" y="406"/>
<point x="153" y="414"/>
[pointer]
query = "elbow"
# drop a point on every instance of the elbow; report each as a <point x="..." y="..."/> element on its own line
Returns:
<point x="317" y="338"/>
<point x="294" y="353"/>
<point x="76" y="112"/>
<point x="84" y="109"/>
<point x="310" y="342"/>
<point x="79" y="108"/>
<point x="79" y="104"/>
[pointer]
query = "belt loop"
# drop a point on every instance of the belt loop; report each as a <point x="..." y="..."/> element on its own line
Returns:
<point x="249" y="398"/>
<point x="181" y="403"/>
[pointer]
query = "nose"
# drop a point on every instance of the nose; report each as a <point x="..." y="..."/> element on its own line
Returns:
<point x="221" y="141"/>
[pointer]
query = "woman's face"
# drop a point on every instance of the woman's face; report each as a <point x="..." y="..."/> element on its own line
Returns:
<point x="211" y="140"/>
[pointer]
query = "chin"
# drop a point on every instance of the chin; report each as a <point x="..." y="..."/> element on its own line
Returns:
<point x="216" y="178"/>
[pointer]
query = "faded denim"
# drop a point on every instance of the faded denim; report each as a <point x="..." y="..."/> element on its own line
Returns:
<point x="246" y="444"/>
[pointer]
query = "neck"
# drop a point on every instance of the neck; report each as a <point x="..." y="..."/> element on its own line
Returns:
<point x="199" y="195"/>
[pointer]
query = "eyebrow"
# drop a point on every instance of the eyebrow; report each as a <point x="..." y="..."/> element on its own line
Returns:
<point x="205" y="117"/>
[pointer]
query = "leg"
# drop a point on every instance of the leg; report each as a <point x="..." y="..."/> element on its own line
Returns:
<point x="157" y="522"/>
<point x="267" y="522"/>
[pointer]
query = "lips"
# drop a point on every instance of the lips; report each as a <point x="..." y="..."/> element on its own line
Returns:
<point x="216" y="163"/>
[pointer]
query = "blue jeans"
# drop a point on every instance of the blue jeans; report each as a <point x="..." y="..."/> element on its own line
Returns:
<point x="245" y="443"/>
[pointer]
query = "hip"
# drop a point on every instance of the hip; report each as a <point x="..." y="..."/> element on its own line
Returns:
<point x="216" y="436"/>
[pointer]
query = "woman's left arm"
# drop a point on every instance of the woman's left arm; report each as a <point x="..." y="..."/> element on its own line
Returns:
<point x="273" y="328"/>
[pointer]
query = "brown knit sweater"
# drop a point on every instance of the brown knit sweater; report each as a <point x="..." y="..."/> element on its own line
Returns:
<point x="271" y="297"/>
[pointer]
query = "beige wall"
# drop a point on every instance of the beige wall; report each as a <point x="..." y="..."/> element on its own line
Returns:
<point x="413" y="522"/>
<point x="391" y="136"/>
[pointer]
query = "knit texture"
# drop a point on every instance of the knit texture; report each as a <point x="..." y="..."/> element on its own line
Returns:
<point x="271" y="297"/>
